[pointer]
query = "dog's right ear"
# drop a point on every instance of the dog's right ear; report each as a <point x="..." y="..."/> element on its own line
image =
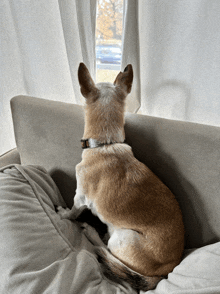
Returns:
<point x="124" y="79"/>
<point x="87" y="85"/>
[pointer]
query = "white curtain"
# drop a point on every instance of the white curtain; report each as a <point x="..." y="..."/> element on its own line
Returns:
<point x="41" y="45"/>
<point x="174" y="47"/>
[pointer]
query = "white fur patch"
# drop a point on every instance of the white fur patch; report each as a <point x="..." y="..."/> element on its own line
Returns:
<point x="122" y="238"/>
<point x="107" y="91"/>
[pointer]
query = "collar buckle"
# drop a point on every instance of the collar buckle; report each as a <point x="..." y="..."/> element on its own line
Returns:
<point x="85" y="143"/>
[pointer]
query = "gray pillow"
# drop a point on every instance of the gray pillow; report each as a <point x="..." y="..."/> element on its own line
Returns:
<point x="39" y="251"/>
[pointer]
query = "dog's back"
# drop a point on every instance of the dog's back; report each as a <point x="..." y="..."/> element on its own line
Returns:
<point x="127" y="195"/>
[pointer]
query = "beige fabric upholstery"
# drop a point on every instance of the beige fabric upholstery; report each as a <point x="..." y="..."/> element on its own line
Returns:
<point x="48" y="133"/>
<point x="185" y="156"/>
<point x="10" y="157"/>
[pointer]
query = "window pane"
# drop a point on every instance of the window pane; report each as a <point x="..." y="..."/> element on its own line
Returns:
<point x="108" y="39"/>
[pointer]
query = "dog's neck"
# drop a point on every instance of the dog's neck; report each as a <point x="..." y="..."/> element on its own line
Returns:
<point x="104" y="128"/>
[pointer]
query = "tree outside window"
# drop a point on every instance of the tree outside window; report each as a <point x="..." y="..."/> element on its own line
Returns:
<point x="108" y="39"/>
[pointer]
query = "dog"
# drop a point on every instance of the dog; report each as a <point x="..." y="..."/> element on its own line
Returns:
<point x="144" y="220"/>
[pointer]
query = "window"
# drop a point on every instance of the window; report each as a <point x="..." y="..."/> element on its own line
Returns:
<point x="108" y="39"/>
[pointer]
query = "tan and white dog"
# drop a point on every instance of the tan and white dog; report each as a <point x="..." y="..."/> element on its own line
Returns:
<point x="142" y="215"/>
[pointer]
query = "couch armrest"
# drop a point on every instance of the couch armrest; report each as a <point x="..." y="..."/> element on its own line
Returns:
<point x="10" y="157"/>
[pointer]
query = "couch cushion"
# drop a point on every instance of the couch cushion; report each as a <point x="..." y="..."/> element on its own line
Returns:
<point x="198" y="273"/>
<point x="39" y="251"/>
<point x="10" y="157"/>
<point x="48" y="133"/>
<point x="186" y="156"/>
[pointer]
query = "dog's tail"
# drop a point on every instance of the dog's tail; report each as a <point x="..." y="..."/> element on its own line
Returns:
<point x="116" y="271"/>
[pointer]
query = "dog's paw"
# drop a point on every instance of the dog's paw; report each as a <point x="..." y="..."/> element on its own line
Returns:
<point x="92" y="235"/>
<point x="64" y="213"/>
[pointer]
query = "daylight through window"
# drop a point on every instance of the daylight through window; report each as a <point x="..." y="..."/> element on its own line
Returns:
<point x="108" y="39"/>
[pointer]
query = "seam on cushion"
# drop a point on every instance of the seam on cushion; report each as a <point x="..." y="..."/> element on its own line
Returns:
<point x="20" y="169"/>
<point x="7" y="166"/>
<point x="5" y="153"/>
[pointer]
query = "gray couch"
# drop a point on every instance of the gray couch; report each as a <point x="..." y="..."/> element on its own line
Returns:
<point x="185" y="156"/>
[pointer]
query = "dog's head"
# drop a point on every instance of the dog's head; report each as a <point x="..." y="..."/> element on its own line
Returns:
<point x="119" y="89"/>
<point x="104" y="102"/>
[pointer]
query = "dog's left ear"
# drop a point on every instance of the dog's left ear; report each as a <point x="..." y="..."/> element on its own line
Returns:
<point x="87" y="85"/>
<point x="124" y="79"/>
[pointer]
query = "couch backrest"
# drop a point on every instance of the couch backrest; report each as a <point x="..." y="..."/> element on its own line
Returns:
<point x="185" y="156"/>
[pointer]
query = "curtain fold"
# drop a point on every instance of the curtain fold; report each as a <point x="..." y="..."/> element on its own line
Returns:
<point x="41" y="46"/>
<point x="174" y="49"/>
<point x="131" y="52"/>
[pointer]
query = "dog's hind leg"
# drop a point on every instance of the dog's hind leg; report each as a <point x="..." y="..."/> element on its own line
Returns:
<point x="134" y="250"/>
<point x="115" y="267"/>
<point x="126" y="245"/>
